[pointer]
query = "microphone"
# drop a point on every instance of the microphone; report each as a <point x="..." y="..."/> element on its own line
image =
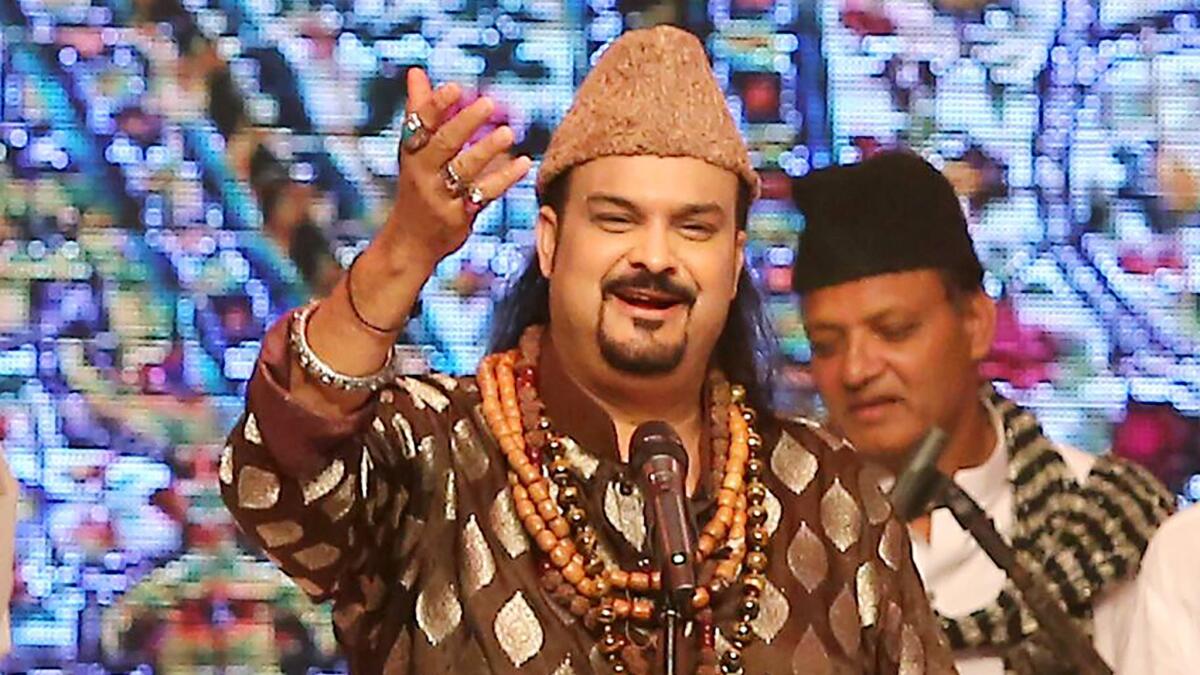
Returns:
<point x="920" y="481"/>
<point x="660" y="465"/>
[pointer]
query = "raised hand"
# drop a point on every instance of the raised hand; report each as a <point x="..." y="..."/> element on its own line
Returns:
<point x="440" y="190"/>
<point x="442" y="187"/>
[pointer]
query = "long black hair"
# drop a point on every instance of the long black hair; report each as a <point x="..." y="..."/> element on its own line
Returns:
<point x="746" y="351"/>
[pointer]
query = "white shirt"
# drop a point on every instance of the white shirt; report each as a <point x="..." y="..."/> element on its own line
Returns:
<point x="1164" y="628"/>
<point x="961" y="578"/>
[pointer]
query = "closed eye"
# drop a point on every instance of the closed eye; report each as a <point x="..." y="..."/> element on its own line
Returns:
<point x="898" y="333"/>
<point x="615" y="221"/>
<point x="697" y="230"/>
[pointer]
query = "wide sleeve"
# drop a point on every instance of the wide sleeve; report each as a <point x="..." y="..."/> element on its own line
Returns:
<point x="906" y="636"/>
<point x="844" y="552"/>
<point x="901" y="633"/>
<point x="328" y="500"/>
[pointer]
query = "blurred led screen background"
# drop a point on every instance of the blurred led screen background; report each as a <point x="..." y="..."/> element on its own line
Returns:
<point x="175" y="174"/>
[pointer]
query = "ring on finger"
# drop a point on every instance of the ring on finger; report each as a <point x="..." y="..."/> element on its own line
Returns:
<point x="452" y="180"/>
<point x="414" y="135"/>
<point x="476" y="199"/>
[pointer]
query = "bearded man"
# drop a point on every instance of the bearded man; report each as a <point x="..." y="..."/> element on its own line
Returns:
<point x="490" y="524"/>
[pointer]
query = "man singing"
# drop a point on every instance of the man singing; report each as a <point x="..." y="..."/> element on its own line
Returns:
<point x="489" y="524"/>
<point x="892" y="299"/>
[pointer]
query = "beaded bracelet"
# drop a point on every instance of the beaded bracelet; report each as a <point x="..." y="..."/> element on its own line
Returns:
<point x="323" y="372"/>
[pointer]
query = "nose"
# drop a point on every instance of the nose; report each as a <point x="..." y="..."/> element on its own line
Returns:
<point x="862" y="363"/>
<point x="653" y="249"/>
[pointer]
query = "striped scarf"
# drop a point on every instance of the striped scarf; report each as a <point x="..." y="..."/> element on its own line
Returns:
<point x="1080" y="537"/>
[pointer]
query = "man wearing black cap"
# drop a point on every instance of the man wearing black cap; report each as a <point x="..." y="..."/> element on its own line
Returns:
<point x="892" y="298"/>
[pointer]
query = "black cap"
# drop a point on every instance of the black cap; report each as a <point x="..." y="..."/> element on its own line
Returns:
<point x="893" y="212"/>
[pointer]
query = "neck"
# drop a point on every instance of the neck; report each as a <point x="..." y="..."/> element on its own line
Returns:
<point x="629" y="400"/>
<point x="971" y="443"/>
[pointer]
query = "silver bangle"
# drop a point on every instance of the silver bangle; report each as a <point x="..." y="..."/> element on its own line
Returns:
<point x="323" y="372"/>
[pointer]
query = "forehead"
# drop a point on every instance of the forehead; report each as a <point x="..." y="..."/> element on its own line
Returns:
<point x="872" y="297"/>
<point x="656" y="182"/>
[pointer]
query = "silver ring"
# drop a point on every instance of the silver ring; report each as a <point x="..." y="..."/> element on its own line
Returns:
<point x="476" y="200"/>
<point x="451" y="179"/>
<point x="414" y="135"/>
<point x="475" y="197"/>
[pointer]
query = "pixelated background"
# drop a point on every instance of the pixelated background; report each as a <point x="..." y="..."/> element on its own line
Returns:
<point x="175" y="174"/>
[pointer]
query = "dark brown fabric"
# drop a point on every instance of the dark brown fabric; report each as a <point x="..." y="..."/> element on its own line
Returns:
<point x="408" y="531"/>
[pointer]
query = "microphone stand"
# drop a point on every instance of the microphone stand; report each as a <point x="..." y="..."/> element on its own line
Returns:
<point x="921" y="483"/>
<point x="676" y="657"/>
<point x="672" y="642"/>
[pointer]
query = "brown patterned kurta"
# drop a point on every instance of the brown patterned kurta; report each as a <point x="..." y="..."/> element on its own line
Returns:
<point x="401" y="515"/>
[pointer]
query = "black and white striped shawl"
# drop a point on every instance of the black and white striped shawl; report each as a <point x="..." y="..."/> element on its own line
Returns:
<point x="1079" y="536"/>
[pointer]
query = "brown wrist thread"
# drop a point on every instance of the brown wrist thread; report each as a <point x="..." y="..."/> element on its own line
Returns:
<point x="354" y="308"/>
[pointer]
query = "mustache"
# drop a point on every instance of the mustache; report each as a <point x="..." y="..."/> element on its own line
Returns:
<point x="645" y="280"/>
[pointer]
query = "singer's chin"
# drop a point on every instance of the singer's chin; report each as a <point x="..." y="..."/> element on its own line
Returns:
<point x="645" y="353"/>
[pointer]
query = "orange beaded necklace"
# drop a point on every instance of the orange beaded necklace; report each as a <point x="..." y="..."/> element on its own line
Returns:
<point x="549" y="505"/>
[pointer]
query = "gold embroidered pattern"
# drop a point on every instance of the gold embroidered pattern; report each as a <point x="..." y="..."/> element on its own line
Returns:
<point x="505" y="525"/>
<point x="912" y="653"/>
<point x="280" y="533"/>
<point x="875" y="502"/>
<point x="225" y="469"/>
<point x="438" y="611"/>
<point x="810" y="657"/>
<point x="772" y="614"/>
<point x="517" y="630"/>
<point x="405" y="432"/>
<point x="794" y="464"/>
<point x="365" y="466"/>
<point x="892" y="619"/>
<point x="250" y="430"/>
<point x="324" y="482"/>
<point x="844" y="622"/>
<point x="807" y="558"/>
<point x="480" y="566"/>
<point x="774" y="510"/>
<point x="410" y="574"/>
<point x="891" y="545"/>
<point x="840" y="516"/>
<point x="449" y="383"/>
<point x="626" y="513"/>
<point x="425" y="395"/>
<point x="257" y="488"/>
<point x="317" y="556"/>
<point x="451" y="504"/>
<point x="468" y="454"/>
<point x="580" y="459"/>
<point x="340" y="503"/>
<point x="867" y="588"/>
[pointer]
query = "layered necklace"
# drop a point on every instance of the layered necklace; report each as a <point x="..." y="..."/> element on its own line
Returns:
<point x="609" y="600"/>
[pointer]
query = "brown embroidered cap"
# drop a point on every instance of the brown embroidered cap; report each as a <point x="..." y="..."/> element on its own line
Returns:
<point x="652" y="92"/>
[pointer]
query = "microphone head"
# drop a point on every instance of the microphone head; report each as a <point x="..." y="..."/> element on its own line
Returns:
<point x="652" y="439"/>
<point x="917" y="483"/>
